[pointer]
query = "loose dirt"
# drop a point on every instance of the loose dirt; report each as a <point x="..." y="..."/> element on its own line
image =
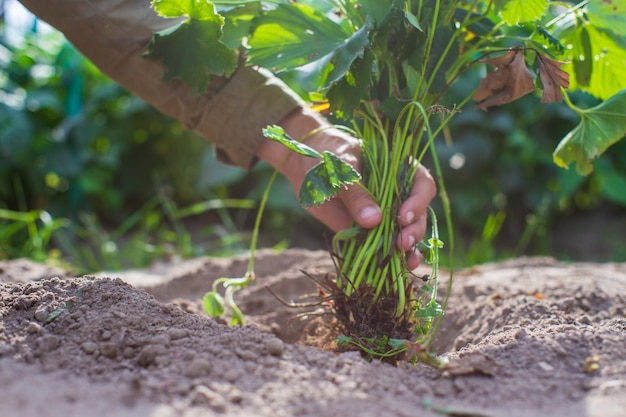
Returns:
<point x="528" y="337"/>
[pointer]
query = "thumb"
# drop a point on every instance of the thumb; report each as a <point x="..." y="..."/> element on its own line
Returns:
<point x="361" y="206"/>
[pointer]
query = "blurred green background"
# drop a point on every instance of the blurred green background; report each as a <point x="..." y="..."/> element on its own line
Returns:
<point x="93" y="178"/>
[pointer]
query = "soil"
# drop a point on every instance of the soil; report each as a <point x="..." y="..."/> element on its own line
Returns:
<point x="527" y="337"/>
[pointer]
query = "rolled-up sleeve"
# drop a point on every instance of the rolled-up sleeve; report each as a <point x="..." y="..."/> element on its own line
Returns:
<point x="114" y="35"/>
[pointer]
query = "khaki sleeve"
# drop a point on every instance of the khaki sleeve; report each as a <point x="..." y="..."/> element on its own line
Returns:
<point x="114" y="35"/>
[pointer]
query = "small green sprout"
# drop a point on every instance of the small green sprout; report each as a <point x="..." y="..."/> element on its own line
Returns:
<point x="66" y="307"/>
<point x="215" y="305"/>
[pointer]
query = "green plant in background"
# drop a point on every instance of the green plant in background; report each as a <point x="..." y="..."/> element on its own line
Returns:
<point x="505" y="168"/>
<point x="500" y="164"/>
<point x="94" y="176"/>
<point x="38" y="226"/>
<point x="387" y="66"/>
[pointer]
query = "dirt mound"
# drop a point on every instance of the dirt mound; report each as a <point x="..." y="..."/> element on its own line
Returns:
<point x="530" y="337"/>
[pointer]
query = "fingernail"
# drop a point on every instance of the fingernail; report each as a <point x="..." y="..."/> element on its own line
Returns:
<point x="409" y="217"/>
<point x="420" y="257"/>
<point x="369" y="212"/>
<point x="411" y="241"/>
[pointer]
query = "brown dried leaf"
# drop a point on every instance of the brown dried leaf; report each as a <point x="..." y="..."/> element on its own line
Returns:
<point x="503" y="60"/>
<point x="552" y="78"/>
<point x="509" y="80"/>
<point x="496" y="80"/>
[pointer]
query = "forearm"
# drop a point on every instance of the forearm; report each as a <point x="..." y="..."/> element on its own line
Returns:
<point x="114" y="34"/>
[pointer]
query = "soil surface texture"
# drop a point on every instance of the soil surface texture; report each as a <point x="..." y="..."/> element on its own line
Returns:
<point x="528" y="337"/>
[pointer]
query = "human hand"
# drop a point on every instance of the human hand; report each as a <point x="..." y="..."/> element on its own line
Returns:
<point x="352" y="203"/>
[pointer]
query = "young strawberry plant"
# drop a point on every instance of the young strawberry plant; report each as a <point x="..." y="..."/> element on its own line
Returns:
<point x="386" y="68"/>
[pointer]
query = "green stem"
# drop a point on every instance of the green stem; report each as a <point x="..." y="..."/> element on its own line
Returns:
<point x="257" y="223"/>
<point x="429" y="44"/>
<point x="571" y="105"/>
<point x="445" y="200"/>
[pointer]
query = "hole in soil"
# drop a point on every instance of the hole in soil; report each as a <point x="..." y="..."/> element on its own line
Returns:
<point x="312" y="325"/>
<point x="281" y="279"/>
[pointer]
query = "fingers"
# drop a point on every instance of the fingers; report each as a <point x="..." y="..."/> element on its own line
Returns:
<point x="353" y="203"/>
<point x="413" y="216"/>
<point x="337" y="216"/>
<point x="410" y="235"/>
<point x="423" y="191"/>
<point x="408" y="239"/>
<point x="413" y="259"/>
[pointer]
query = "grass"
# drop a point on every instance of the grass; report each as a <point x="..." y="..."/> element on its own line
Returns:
<point x="28" y="234"/>
<point x="158" y="230"/>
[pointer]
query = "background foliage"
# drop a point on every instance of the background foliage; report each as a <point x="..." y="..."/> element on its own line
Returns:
<point x="510" y="198"/>
<point x="93" y="172"/>
<point x="91" y="175"/>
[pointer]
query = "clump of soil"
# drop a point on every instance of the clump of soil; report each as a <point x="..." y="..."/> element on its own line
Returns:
<point x="359" y="316"/>
<point x="369" y="323"/>
<point x="363" y="318"/>
<point x="527" y="337"/>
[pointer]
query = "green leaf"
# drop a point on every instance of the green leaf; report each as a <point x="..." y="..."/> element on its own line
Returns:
<point x="295" y="34"/>
<point x="346" y="94"/>
<point x="277" y="134"/>
<point x="315" y="188"/>
<point x="238" y="22"/>
<point x="347" y="234"/>
<point x="604" y="52"/>
<point x="213" y="304"/>
<point x="520" y="11"/>
<point x="442" y="38"/>
<point x="192" y="50"/>
<point x="599" y="128"/>
<point x="435" y="242"/>
<point x="482" y="26"/>
<point x="326" y="179"/>
<point x="379" y="10"/>
<point x="56" y="313"/>
<point x="426" y="250"/>
<point x="397" y="343"/>
<point x="200" y="10"/>
<point x="609" y="15"/>
<point x="426" y="288"/>
<point x="432" y="309"/>
<point x="582" y="59"/>
<point x="69" y="304"/>
<point x="343" y="341"/>
<point x="346" y="52"/>
<point x="339" y="173"/>
<point x="552" y="40"/>
<point x="412" y="19"/>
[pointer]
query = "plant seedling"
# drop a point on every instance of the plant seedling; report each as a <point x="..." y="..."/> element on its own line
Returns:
<point x="386" y="67"/>
<point x="66" y="307"/>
